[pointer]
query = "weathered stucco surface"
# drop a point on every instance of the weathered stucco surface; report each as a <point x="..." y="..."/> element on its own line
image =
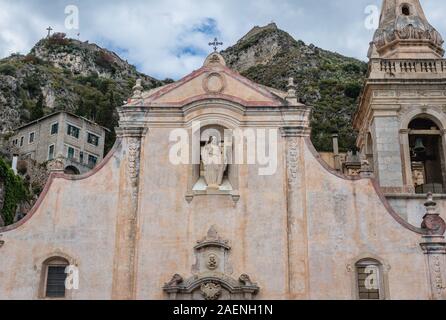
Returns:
<point x="76" y="220"/>
<point x="133" y="223"/>
<point x="346" y="221"/>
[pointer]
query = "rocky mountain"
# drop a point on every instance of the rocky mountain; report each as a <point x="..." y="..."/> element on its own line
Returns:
<point x="66" y="74"/>
<point x="328" y="81"/>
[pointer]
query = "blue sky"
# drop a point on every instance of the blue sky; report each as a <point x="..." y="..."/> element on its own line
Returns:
<point x="170" y="38"/>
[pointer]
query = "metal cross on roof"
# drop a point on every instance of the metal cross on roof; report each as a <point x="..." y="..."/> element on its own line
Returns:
<point x="49" y="29"/>
<point x="215" y="44"/>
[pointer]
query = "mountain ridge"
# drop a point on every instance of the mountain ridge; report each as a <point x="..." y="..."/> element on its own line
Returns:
<point x="328" y="81"/>
<point x="66" y="74"/>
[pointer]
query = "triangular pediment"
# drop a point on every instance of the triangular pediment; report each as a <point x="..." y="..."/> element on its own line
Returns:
<point x="214" y="81"/>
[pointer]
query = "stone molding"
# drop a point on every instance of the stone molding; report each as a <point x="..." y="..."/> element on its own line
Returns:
<point x="212" y="271"/>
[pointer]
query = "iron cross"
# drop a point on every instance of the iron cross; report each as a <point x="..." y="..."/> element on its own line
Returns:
<point x="49" y="31"/>
<point x="215" y="44"/>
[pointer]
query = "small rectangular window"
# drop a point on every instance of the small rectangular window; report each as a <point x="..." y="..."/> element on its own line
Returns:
<point x="54" y="128"/>
<point x="81" y="157"/>
<point x="92" y="160"/>
<point x="369" y="280"/>
<point x="22" y="139"/>
<point x="93" y="139"/>
<point x="31" y="137"/>
<point x="55" y="283"/>
<point x="71" y="153"/>
<point x="51" y="152"/>
<point x="73" y="131"/>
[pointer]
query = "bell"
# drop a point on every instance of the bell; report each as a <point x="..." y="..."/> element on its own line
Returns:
<point x="419" y="146"/>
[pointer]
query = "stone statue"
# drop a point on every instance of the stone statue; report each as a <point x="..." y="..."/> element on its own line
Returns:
<point x="214" y="163"/>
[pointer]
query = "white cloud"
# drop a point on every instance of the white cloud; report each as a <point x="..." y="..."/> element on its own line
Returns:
<point x="169" y="38"/>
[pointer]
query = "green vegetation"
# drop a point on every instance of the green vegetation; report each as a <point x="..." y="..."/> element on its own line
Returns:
<point x="329" y="82"/>
<point x="37" y="112"/>
<point x="15" y="192"/>
<point x="8" y="69"/>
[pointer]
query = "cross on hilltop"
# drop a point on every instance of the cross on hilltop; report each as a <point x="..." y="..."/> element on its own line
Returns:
<point x="49" y="29"/>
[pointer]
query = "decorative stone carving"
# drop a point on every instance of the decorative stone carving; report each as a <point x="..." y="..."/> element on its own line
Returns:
<point x="212" y="275"/>
<point x="292" y="159"/>
<point x="214" y="83"/>
<point x="434" y="246"/>
<point x="215" y="163"/>
<point x="211" y="291"/>
<point x="137" y="90"/>
<point x="56" y="165"/>
<point x="133" y="163"/>
<point x="176" y="280"/>
<point x="413" y="27"/>
<point x="432" y="222"/>
<point x="212" y="262"/>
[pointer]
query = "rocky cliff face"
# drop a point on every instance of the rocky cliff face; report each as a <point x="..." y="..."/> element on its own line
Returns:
<point x="328" y="81"/>
<point x="65" y="74"/>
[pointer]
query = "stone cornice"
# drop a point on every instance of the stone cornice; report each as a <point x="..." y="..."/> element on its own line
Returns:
<point x="131" y="132"/>
<point x="295" y="131"/>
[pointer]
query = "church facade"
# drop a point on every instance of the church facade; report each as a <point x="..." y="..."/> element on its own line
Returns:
<point x="214" y="190"/>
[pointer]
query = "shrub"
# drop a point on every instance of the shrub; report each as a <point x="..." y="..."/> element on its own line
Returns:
<point x="352" y="90"/>
<point x="8" y="70"/>
<point x="15" y="192"/>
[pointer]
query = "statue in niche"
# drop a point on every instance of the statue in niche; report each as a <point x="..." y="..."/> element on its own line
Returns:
<point x="214" y="162"/>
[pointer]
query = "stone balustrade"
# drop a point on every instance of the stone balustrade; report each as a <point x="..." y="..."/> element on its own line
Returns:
<point x="407" y="68"/>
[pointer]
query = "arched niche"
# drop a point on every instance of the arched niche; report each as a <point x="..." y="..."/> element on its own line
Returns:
<point x="202" y="129"/>
<point x="427" y="155"/>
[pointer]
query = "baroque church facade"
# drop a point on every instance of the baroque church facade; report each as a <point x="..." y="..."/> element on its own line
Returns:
<point x="157" y="220"/>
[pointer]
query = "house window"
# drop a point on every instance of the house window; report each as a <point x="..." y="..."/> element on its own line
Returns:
<point x="55" y="277"/>
<point x="405" y="10"/>
<point x="71" y="153"/>
<point x="92" y="160"/>
<point x="32" y="135"/>
<point x="22" y="139"/>
<point x="51" y="152"/>
<point x="81" y="157"/>
<point x="93" y="139"/>
<point x="54" y="128"/>
<point x="73" y="131"/>
<point x="369" y="280"/>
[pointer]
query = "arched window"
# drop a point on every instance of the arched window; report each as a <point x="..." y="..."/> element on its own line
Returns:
<point x="369" y="280"/>
<point x="405" y="10"/>
<point x="72" y="170"/>
<point x="54" y="275"/>
<point x="426" y="155"/>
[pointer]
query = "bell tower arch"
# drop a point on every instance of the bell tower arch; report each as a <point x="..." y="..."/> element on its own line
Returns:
<point x="406" y="81"/>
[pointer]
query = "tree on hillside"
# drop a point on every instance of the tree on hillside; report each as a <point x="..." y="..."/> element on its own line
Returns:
<point x="37" y="112"/>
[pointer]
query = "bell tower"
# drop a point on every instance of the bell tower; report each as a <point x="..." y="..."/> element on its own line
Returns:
<point x="405" y="33"/>
<point x="401" y="117"/>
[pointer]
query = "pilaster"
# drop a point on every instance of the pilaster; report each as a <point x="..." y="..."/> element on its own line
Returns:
<point x="124" y="276"/>
<point x="297" y="239"/>
<point x="434" y="247"/>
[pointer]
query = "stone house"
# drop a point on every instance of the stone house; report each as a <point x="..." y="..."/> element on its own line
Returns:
<point x="79" y="141"/>
<point x="182" y="208"/>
